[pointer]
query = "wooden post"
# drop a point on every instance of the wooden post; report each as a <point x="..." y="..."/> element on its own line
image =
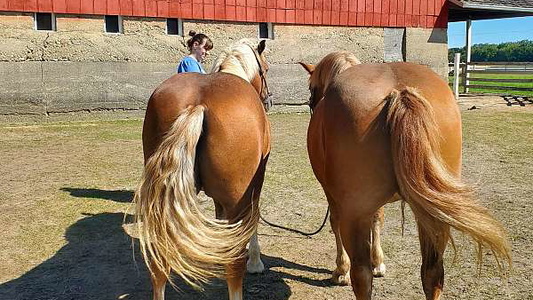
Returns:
<point x="468" y="51"/>
<point x="456" y="75"/>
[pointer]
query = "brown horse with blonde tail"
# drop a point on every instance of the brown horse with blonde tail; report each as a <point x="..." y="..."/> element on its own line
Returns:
<point x="205" y="132"/>
<point x="379" y="131"/>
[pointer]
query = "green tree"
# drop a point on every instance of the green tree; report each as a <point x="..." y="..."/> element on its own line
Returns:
<point x="521" y="51"/>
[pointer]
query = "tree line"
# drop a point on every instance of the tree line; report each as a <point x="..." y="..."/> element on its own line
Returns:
<point x="512" y="51"/>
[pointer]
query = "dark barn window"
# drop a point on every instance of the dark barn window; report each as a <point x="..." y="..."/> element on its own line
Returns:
<point x="174" y="26"/>
<point x="113" y="24"/>
<point x="44" y="21"/>
<point x="266" y="31"/>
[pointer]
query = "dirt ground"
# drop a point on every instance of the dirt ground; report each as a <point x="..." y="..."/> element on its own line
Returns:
<point x="67" y="180"/>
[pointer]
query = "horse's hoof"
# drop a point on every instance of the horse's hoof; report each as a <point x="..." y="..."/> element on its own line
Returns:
<point x="341" y="279"/>
<point x="379" y="271"/>
<point x="255" y="267"/>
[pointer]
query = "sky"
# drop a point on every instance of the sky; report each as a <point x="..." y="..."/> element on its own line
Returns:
<point x="491" y="31"/>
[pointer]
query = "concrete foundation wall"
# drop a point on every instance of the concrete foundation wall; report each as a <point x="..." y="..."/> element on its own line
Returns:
<point x="36" y="87"/>
<point x="79" y="67"/>
<point x="428" y="47"/>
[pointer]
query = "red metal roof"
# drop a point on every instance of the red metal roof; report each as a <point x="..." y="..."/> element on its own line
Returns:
<point x="379" y="13"/>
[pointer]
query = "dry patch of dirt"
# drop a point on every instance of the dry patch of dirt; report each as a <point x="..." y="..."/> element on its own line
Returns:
<point x="66" y="183"/>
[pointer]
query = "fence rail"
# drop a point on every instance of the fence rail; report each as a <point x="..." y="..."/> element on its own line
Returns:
<point x="499" y="72"/>
<point x="508" y="63"/>
<point x="502" y="78"/>
<point x="495" y="87"/>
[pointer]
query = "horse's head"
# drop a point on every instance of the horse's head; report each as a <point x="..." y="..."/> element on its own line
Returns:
<point x="321" y="75"/>
<point x="248" y="62"/>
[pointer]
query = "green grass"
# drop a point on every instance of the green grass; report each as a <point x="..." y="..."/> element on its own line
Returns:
<point x="498" y="91"/>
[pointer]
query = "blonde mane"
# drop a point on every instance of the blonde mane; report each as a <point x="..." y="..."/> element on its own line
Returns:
<point x="238" y="59"/>
<point x="330" y="66"/>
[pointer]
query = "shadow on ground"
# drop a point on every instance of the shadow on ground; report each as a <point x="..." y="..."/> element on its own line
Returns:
<point x="98" y="263"/>
<point x="117" y="196"/>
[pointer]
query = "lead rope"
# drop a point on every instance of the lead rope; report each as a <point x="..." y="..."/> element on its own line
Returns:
<point x="308" y="234"/>
<point x="264" y="84"/>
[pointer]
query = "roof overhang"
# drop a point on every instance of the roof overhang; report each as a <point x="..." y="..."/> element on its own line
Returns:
<point x="462" y="11"/>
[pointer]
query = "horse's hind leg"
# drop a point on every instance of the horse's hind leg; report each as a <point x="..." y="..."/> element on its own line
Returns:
<point x="341" y="275"/>
<point x="432" y="271"/>
<point x="378" y="267"/>
<point x="235" y="278"/>
<point x="254" y="264"/>
<point x="235" y="270"/>
<point x="159" y="281"/>
<point x="355" y="231"/>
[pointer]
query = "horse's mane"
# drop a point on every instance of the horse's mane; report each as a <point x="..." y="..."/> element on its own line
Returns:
<point x="330" y="66"/>
<point x="238" y="59"/>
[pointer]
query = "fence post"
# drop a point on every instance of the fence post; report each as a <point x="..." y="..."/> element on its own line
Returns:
<point x="456" y="77"/>
<point x="468" y="52"/>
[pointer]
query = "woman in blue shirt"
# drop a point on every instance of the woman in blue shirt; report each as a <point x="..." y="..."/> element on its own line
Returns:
<point x="199" y="44"/>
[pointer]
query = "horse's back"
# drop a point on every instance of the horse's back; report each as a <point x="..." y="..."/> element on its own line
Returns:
<point x="367" y="84"/>
<point x="361" y="94"/>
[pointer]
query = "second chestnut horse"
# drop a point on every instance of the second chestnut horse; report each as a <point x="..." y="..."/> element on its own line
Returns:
<point x="382" y="130"/>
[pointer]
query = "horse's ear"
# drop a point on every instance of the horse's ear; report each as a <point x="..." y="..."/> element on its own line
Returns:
<point x="309" y="68"/>
<point x="261" y="47"/>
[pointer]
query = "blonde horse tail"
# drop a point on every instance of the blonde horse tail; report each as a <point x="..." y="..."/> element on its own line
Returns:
<point x="435" y="195"/>
<point x="174" y="234"/>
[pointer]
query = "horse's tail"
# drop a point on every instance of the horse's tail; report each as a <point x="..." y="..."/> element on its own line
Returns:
<point x="435" y="195"/>
<point x="174" y="234"/>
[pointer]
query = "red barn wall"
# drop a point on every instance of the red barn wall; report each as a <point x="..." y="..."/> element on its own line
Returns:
<point x="376" y="13"/>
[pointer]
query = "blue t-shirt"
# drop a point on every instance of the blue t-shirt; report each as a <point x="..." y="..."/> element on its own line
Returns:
<point x="189" y="64"/>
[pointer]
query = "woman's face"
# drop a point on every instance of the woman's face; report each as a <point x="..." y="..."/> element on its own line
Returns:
<point x="199" y="51"/>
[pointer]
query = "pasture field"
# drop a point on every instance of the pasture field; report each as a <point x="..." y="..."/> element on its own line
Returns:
<point x="66" y="182"/>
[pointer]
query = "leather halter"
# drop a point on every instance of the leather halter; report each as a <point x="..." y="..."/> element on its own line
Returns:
<point x="312" y="104"/>
<point x="267" y="101"/>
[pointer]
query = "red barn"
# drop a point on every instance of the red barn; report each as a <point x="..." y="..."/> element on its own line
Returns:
<point x="68" y="55"/>
<point x="377" y="13"/>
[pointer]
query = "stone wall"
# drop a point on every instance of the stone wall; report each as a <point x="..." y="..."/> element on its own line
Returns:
<point x="79" y="67"/>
